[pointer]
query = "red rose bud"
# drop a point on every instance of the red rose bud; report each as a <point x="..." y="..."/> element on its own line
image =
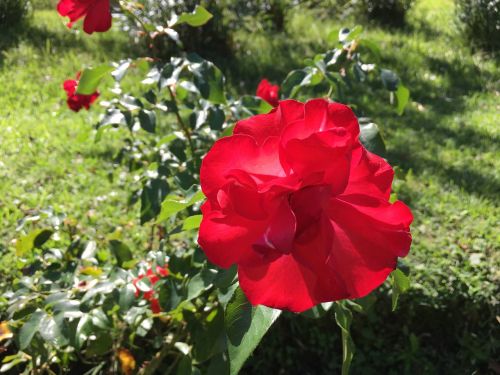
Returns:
<point x="153" y="279"/>
<point x="301" y="207"/>
<point x="268" y="92"/>
<point x="97" y="14"/>
<point x="77" y="101"/>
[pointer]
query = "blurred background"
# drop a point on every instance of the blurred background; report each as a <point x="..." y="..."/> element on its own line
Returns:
<point x="445" y="150"/>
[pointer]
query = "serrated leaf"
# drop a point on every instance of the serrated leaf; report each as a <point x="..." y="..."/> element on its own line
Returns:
<point x="90" y="79"/>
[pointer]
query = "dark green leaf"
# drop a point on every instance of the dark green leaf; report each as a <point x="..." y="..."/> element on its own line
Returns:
<point x="209" y="80"/>
<point x="152" y="195"/>
<point x="216" y="118"/>
<point x="121" y="252"/>
<point x="184" y="366"/>
<point x="90" y="79"/>
<point x="255" y="105"/>
<point x="389" y="79"/>
<point x="147" y="119"/>
<point x="42" y="237"/>
<point x="293" y="82"/>
<point x="371" y="138"/>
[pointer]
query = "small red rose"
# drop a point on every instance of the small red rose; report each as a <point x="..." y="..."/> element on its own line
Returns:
<point x="268" y="92"/>
<point x="153" y="277"/>
<point x="97" y="14"/>
<point x="302" y="208"/>
<point x="77" y="101"/>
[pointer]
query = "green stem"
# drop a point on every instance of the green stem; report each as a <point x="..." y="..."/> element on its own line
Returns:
<point x="184" y="127"/>
<point x="343" y="317"/>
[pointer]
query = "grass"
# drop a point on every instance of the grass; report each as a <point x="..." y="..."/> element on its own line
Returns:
<point x="445" y="149"/>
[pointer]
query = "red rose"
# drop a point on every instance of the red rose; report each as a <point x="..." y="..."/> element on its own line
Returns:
<point x="153" y="277"/>
<point x="301" y="207"/>
<point x="77" y="101"/>
<point x="97" y="13"/>
<point x="268" y="92"/>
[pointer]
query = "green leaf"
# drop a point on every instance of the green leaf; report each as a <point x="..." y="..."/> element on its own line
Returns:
<point x="91" y="77"/>
<point x="51" y="330"/>
<point x="184" y="366"/>
<point x="402" y="95"/>
<point x="32" y="240"/>
<point x="255" y="105"/>
<point x="127" y="297"/>
<point x="147" y="119"/>
<point x="172" y="205"/>
<point x="292" y="83"/>
<point x="121" y="252"/>
<point x="343" y="317"/>
<point x="208" y="79"/>
<point x="245" y="327"/>
<point x="152" y="196"/>
<point x="216" y="118"/>
<point x="371" y="138"/>
<point x="198" y="17"/>
<point x="192" y="222"/>
<point x="400" y="284"/>
<point x="30" y="328"/>
<point x="42" y="237"/>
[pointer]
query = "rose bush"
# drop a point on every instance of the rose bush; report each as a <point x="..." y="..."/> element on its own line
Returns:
<point x="301" y="207"/>
<point x="297" y="213"/>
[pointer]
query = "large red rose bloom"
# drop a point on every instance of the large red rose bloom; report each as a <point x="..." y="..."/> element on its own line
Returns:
<point x="97" y="13"/>
<point x="268" y="92"/>
<point x="77" y="101"/>
<point x="301" y="207"/>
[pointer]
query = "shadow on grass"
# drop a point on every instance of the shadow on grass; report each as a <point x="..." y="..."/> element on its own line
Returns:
<point x="51" y="41"/>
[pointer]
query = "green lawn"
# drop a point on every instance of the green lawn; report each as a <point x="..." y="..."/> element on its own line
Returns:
<point x="445" y="149"/>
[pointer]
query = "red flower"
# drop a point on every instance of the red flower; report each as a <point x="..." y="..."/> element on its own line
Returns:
<point x="301" y="207"/>
<point x="77" y="101"/>
<point x="96" y="12"/>
<point x="268" y="92"/>
<point x="153" y="277"/>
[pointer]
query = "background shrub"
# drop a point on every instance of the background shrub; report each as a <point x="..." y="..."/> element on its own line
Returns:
<point x="13" y="13"/>
<point x="388" y="12"/>
<point x="480" y="22"/>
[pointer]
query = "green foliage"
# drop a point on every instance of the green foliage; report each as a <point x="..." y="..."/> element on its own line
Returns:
<point x="70" y="289"/>
<point x="13" y="14"/>
<point x="387" y="12"/>
<point x="480" y="22"/>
